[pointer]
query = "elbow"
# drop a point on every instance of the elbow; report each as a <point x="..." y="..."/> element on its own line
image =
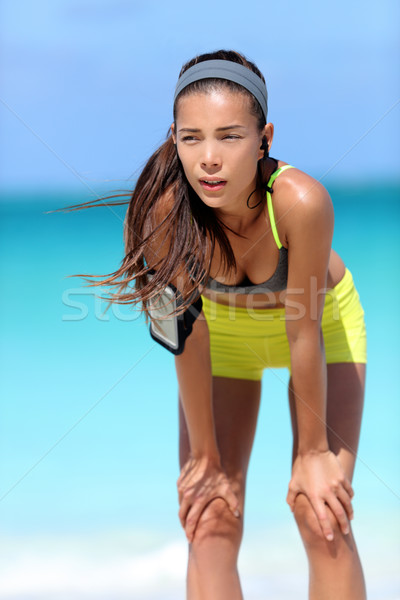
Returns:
<point x="300" y="336"/>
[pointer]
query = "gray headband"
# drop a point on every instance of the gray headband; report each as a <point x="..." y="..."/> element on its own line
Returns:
<point x="226" y="69"/>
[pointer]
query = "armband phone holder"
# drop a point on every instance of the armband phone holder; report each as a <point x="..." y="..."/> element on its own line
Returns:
<point x="169" y="330"/>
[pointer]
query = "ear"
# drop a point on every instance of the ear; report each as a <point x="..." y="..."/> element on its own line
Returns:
<point x="267" y="132"/>
<point x="173" y="134"/>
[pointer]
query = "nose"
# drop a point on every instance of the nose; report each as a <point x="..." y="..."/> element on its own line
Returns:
<point x="210" y="157"/>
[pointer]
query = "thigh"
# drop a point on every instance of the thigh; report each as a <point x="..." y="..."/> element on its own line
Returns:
<point x="345" y="400"/>
<point x="236" y="405"/>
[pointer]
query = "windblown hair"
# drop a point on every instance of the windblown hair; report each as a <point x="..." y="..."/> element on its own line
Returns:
<point x="192" y="228"/>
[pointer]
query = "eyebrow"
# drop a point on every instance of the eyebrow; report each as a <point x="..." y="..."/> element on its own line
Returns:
<point x="192" y="130"/>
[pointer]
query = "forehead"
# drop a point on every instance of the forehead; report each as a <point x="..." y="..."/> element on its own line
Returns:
<point x="214" y="106"/>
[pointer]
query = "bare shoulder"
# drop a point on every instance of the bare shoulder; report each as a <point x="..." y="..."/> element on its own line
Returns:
<point x="299" y="199"/>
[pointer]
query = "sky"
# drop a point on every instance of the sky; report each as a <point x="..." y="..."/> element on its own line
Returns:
<point x="87" y="85"/>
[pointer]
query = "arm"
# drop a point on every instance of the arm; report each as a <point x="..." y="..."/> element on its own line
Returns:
<point x="202" y="478"/>
<point x="193" y="369"/>
<point x="316" y="470"/>
<point x="309" y="243"/>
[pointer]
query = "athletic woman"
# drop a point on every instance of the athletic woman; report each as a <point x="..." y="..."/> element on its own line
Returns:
<point x="235" y="246"/>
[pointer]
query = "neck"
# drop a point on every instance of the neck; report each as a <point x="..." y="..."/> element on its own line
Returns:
<point x="244" y="217"/>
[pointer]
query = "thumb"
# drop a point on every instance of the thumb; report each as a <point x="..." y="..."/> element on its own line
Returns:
<point x="290" y="498"/>
<point x="233" y="504"/>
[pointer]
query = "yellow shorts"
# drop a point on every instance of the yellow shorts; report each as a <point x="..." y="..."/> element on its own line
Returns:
<point x="244" y="342"/>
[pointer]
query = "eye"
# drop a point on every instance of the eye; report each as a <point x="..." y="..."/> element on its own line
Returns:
<point x="188" y="138"/>
<point x="231" y="136"/>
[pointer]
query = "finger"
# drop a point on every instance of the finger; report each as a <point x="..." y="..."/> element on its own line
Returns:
<point x="323" y="518"/>
<point x="233" y="502"/>
<point x="348" y="487"/>
<point x="183" y="489"/>
<point x="180" y="495"/>
<point x="193" y="516"/>
<point x="198" y="507"/>
<point x="339" y="512"/>
<point x="345" y="500"/>
<point x="183" y="510"/>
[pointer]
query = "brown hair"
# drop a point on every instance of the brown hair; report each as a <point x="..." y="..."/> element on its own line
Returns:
<point x="191" y="227"/>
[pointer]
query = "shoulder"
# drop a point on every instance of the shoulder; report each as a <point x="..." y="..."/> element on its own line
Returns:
<point x="301" y="204"/>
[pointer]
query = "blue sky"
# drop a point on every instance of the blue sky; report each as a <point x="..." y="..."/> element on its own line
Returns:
<point x="87" y="85"/>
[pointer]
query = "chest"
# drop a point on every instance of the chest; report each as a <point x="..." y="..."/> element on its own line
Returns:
<point x="256" y="255"/>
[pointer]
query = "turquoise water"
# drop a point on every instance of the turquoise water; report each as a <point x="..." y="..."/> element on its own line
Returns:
<point x="88" y="432"/>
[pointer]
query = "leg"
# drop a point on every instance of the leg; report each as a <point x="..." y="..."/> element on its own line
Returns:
<point x="335" y="568"/>
<point x="212" y="568"/>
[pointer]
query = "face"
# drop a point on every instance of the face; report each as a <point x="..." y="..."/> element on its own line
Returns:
<point x="218" y="142"/>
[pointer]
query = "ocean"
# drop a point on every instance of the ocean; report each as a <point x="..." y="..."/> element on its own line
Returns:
<point x="89" y="419"/>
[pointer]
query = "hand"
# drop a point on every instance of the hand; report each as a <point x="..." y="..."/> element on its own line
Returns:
<point x="320" y="476"/>
<point x="201" y="480"/>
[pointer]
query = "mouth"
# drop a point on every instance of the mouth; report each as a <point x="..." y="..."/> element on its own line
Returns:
<point x="212" y="184"/>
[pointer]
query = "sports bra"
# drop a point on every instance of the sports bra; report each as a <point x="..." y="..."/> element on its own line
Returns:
<point x="278" y="281"/>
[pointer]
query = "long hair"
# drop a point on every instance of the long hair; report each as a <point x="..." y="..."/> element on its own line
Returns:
<point x="192" y="228"/>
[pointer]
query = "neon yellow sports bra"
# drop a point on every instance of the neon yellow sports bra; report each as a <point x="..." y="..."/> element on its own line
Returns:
<point x="278" y="281"/>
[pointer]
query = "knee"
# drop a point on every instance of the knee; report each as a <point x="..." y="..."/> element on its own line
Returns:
<point x="309" y="526"/>
<point x="217" y="521"/>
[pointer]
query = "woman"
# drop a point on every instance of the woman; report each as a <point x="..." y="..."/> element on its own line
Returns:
<point x="213" y="214"/>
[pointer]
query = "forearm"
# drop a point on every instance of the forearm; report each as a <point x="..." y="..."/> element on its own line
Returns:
<point x="309" y="382"/>
<point x="193" y="368"/>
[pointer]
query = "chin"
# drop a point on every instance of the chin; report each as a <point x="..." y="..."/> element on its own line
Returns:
<point x="213" y="202"/>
